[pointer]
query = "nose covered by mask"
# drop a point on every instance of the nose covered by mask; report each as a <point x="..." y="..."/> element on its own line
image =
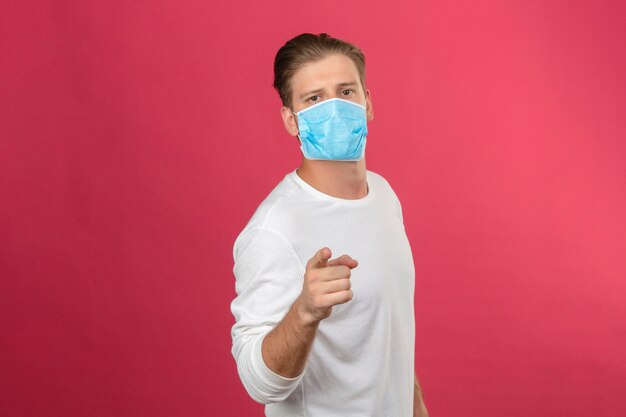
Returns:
<point x="334" y="130"/>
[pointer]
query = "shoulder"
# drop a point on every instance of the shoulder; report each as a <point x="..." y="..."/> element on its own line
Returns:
<point x="380" y="184"/>
<point x="284" y="192"/>
<point x="385" y="191"/>
<point x="272" y="213"/>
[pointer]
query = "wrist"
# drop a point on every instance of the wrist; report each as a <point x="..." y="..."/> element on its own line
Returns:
<point x="304" y="317"/>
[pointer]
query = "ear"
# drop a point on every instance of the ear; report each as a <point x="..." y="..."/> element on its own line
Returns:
<point x="289" y="120"/>
<point x="369" y="110"/>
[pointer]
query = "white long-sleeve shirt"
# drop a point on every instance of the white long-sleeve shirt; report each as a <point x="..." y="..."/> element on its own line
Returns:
<point x="361" y="361"/>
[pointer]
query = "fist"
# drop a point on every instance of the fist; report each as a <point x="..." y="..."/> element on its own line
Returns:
<point x="326" y="284"/>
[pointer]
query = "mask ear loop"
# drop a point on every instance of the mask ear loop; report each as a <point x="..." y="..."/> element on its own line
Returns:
<point x="295" y="115"/>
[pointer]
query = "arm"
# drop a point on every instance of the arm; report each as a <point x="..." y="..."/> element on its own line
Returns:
<point x="286" y="348"/>
<point x="326" y="283"/>
<point x="270" y="346"/>
<point x="419" y="407"/>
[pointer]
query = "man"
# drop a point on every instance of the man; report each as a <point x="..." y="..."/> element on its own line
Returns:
<point x="319" y="336"/>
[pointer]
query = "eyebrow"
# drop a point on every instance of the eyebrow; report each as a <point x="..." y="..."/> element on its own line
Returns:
<point x="319" y="90"/>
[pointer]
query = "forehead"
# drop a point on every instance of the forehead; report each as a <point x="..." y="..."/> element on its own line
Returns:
<point x="329" y="71"/>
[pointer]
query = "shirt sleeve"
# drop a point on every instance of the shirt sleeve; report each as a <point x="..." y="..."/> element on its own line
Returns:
<point x="268" y="279"/>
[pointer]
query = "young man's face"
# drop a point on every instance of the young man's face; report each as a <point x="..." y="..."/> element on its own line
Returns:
<point x="334" y="76"/>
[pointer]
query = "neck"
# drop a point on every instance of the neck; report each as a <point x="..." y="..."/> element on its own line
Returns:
<point x="339" y="179"/>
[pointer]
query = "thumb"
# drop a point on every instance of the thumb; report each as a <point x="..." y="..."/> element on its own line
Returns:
<point x="320" y="259"/>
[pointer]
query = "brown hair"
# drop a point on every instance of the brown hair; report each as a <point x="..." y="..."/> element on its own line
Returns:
<point x="307" y="48"/>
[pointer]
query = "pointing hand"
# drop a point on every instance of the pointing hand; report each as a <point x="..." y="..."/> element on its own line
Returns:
<point x="326" y="284"/>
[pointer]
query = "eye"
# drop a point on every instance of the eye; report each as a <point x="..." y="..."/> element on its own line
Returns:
<point x="313" y="99"/>
<point x="347" y="92"/>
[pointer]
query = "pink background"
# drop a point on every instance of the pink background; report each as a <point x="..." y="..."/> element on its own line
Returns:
<point x="138" y="137"/>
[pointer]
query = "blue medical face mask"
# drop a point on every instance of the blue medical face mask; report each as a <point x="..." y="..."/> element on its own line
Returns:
<point x="333" y="130"/>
